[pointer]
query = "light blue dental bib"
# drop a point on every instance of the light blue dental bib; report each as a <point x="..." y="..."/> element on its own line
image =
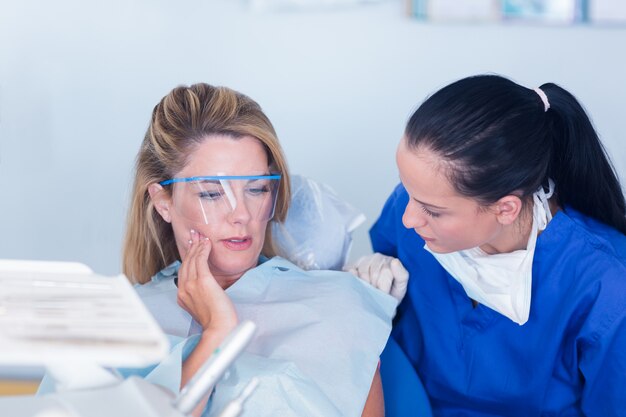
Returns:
<point x="319" y="336"/>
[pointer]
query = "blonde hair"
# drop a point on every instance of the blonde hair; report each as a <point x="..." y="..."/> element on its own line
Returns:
<point x="180" y="121"/>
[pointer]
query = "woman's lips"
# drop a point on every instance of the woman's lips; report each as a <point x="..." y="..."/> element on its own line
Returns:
<point x="237" y="243"/>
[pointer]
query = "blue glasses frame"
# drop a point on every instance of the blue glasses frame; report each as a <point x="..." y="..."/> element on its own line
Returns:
<point x="222" y="177"/>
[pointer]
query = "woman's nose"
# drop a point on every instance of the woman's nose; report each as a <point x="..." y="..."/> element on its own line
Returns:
<point x="413" y="217"/>
<point x="240" y="213"/>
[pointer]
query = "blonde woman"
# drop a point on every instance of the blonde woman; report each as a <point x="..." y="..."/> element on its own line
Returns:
<point x="210" y="177"/>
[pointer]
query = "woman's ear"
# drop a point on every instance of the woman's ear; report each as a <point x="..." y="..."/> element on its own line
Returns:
<point x="161" y="201"/>
<point x="507" y="209"/>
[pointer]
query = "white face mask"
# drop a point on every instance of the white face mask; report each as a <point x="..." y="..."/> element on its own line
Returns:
<point x="502" y="281"/>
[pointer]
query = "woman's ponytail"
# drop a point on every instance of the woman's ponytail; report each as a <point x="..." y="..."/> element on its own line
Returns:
<point x="580" y="166"/>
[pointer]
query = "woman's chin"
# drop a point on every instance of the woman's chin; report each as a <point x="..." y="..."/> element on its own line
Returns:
<point x="233" y="269"/>
<point x="432" y="245"/>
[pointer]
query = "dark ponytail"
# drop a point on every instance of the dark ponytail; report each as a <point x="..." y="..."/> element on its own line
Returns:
<point x="580" y="167"/>
<point x="498" y="139"/>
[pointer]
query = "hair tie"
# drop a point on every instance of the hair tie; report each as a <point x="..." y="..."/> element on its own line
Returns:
<point x="544" y="98"/>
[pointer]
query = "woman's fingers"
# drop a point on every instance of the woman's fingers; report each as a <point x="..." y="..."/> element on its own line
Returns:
<point x="192" y="255"/>
<point x="202" y="259"/>
<point x="187" y="271"/>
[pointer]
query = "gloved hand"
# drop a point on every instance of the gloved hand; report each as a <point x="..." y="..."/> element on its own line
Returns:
<point x="383" y="272"/>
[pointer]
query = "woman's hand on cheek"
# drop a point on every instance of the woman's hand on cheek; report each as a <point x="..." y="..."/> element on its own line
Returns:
<point x="198" y="291"/>
<point x="202" y="297"/>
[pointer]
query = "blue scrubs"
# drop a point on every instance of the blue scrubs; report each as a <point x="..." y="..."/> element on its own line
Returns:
<point x="568" y="359"/>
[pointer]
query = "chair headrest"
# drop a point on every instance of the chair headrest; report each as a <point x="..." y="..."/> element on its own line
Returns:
<point x="317" y="231"/>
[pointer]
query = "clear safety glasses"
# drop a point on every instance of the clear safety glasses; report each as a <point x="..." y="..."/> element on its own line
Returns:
<point x="212" y="199"/>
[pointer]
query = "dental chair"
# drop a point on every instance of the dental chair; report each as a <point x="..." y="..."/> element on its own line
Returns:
<point x="317" y="235"/>
<point x="403" y="390"/>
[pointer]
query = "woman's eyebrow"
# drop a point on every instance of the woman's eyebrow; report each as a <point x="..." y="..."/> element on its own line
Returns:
<point x="430" y="205"/>
<point x="207" y="181"/>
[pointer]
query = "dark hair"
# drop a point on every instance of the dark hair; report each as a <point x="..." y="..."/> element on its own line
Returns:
<point x="496" y="138"/>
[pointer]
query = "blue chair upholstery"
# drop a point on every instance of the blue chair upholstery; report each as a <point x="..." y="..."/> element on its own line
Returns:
<point x="403" y="390"/>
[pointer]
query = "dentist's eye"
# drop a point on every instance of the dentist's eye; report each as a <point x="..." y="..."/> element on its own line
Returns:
<point x="429" y="213"/>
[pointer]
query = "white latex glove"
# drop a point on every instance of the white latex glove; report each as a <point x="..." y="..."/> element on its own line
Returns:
<point x="383" y="272"/>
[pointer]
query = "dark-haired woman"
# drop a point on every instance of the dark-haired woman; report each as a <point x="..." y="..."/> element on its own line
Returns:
<point x="511" y="223"/>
